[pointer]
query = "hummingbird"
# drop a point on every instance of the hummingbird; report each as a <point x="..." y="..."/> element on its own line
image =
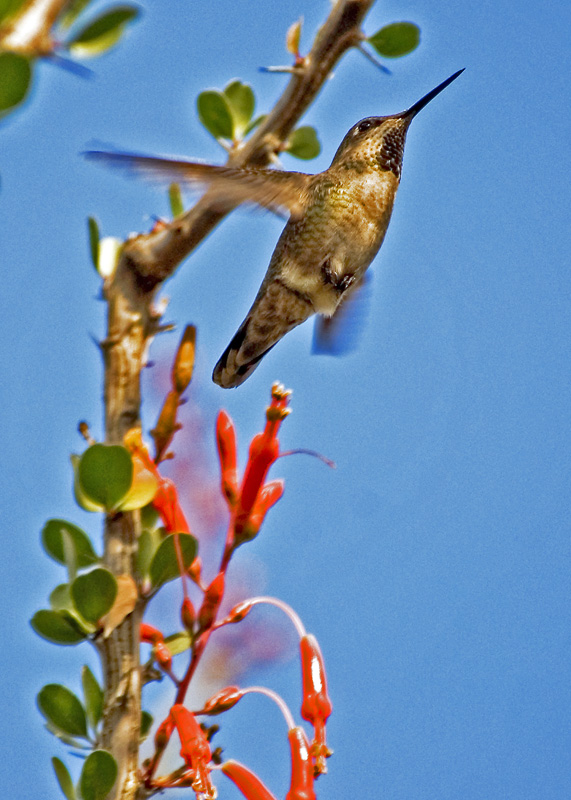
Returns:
<point x="337" y="220"/>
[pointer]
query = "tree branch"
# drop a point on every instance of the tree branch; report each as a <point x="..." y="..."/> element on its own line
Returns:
<point x="154" y="257"/>
<point x="146" y="261"/>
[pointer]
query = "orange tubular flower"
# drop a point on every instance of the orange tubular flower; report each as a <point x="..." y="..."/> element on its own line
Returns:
<point x="150" y="634"/>
<point x="211" y="602"/>
<point x="227" y="453"/>
<point x="301" y="786"/>
<point x="165" y="502"/>
<point x="188" y="614"/>
<point x="194" y="749"/>
<point x="264" y="450"/>
<point x="247" y="529"/>
<point x="222" y="700"/>
<point x="249" y="784"/>
<point x="316" y="705"/>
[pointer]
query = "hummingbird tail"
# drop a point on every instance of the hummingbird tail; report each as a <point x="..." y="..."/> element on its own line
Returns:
<point x="276" y="310"/>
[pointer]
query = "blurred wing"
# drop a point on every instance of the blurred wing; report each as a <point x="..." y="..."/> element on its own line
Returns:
<point x="340" y="334"/>
<point x="279" y="191"/>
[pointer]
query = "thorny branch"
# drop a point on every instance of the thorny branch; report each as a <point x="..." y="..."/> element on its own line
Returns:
<point x="146" y="261"/>
<point x="153" y="257"/>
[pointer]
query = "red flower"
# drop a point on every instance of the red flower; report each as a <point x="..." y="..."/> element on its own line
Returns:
<point x="264" y="450"/>
<point x="194" y="749"/>
<point x="211" y="603"/>
<point x="316" y="705"/>
<point x="222" y="700"/>
<point x="301" y="786"/>
<point x="249" y="784"/>
<point x="227" y="453"/>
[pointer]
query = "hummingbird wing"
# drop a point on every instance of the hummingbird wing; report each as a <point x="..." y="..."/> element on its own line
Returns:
<point x="275" y="311"/>
<point x="339" y="335"/>
<point x="277" y="190"/>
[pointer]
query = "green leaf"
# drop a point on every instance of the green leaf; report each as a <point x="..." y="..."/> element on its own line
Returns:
<point x="149" y="542"/>
<point x="16" y="72"/>
<point x="105" y="474"/>
<point x="242" y="104"/>
<point x="93" y="229"/>
<point x="149" y="517"/>
<point x="146" y="724"/>
<point x="57" y="627"/>
<point x="9" y="8"/>
<point x="60" y="598"/>
<point x="215" y="114"/>
<point x="82" y="500"/>
<point x="63" y="778"/>
<point x="63" y="709"/>
<point x="94" y="593"/>
<point x="98" y="775"/>
<point x="53" y="543"/>
<point x="164" y="566"/>
<point x="178" y="642"/>
<point x="101" y="34"/>
<point x="396" y="40"/>
<point x="143" y="488"/>
<point x="303" y="143"/>
<point x="93" y="696"/>
<point x="69" y="555"/>
<point x="72" y="12"/>
<point x="175" y="200"/>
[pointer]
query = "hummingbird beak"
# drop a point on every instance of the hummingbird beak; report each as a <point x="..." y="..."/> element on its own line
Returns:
<point x="411" y="112"/>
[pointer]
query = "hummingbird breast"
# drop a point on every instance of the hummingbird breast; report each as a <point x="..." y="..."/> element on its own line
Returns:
<point x="330" y="247"/>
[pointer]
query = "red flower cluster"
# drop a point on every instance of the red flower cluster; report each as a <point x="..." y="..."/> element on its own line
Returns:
<point x="248" y="502"/>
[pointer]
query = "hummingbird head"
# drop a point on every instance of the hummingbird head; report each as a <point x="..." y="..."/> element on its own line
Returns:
<point x="381" y="140"/>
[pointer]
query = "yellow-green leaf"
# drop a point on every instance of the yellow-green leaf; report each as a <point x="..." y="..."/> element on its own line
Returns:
<point x="395" y="40"/>
<point x="16" y="76"/>
<point x="303" y="143"/>
<point x="98" y="775"/>
<point x="215" y="114"/>
<point x="104" y="32"/>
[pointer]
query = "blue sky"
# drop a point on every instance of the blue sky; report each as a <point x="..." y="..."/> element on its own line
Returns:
<point x="433" y="563"/>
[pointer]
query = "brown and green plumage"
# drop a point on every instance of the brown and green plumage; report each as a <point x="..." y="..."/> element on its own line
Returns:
<point x="337" y="223"/>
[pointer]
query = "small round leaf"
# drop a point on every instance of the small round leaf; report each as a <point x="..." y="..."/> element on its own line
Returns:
<point x="63" y="778"/>
<point x="94" y="593"/>
<point x="149" y="542"/>
<point x="146" y="724"/>
<point x="178" y="642"/>
<point x="242" y="104"/>
<point x="396" y="40"/>
<point x="303" y="143"/>
<point x="57" y="627"/>
<point x="164" y="566"/>
<point x="62" y="709"/>
<point x="142" y="490"/>
<point x="93" y="229"/>
<point x="60" y="598"/>
<point x="82" y="500"/>
<point x="98" y="775"/>
<point x="105" y="474"/>
<point x="101" y="34"/>
<point x="175" y="200"/>
<point x="215" y="114"/>
<point x="16" y="72"/>
<point x="93" y="695"/>
<point x="53" y="544"/>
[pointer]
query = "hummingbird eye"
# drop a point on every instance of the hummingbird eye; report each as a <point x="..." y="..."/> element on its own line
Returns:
<point x="364" y="125"/>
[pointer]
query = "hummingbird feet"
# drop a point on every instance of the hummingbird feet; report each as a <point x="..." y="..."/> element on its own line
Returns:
<point x="340" y="283"/>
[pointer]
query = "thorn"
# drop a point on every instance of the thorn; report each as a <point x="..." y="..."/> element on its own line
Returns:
<point x="373" y="60"/>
